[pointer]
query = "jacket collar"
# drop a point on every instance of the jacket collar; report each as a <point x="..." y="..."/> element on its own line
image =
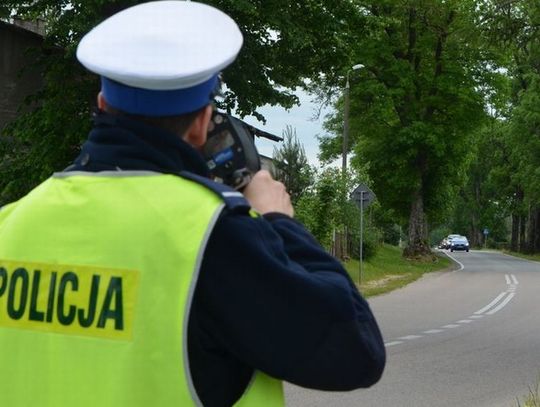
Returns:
<point x="119" y="143"/>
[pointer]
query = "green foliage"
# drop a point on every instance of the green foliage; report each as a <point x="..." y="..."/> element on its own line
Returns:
<point x="327" y="208"/>
<point x="485" y="199"/>
<point x="281" y="52"/>
<point x="47" y="138"/>
<point x="416" y="102"/>
<point x="526" y="137"/>
<point x="324" y="207"/>
<point x="437" y="234"/>
<point x="371" y="241"/>
<point x="446" y="112"/>
<point x="503" y="178"/>
<point x="386" y="224"/>
<point x="320" y="209"/>
<point x="291" y="165"/>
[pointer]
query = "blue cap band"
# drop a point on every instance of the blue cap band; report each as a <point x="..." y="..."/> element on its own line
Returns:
<point x="149" y="102"/>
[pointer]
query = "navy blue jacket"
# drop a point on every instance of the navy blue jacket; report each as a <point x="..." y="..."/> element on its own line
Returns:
<point x="268" y="296"/>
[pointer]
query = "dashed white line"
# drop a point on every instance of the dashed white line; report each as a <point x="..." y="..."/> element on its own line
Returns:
<point x="501" y="305"/>
<point x="433" y="331"/>
<point x="410" y="337"/>
<point x="490" y="309"/>
<point x="491" y="304"/>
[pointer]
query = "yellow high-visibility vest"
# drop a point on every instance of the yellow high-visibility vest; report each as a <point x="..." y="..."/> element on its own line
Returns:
<point x="97" y="273"/>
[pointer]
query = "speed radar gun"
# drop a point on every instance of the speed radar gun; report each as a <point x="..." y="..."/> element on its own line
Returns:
<point x="230" y="151"/>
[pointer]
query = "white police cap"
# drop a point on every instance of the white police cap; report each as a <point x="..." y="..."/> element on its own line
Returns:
<point x="161" y="58"/>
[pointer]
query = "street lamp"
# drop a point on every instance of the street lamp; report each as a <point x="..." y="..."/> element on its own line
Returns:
<point x="346" y="119"/>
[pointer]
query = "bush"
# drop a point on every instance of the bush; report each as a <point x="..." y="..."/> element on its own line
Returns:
<point x="370" y="243"/>
<point x="391" y="234"/>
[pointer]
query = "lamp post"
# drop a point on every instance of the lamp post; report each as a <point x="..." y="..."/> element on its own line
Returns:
<point x="346" y="119"/>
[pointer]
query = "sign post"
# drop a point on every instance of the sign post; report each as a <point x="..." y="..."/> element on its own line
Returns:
<point x="486" y="233"/>
<point x="363" y="197"/>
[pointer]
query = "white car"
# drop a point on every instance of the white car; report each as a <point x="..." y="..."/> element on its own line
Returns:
<point x="449" y="240"/>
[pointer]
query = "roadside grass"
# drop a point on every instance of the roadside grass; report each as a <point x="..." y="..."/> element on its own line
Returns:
<point x="535" y="257"/>
<point x="533" y="398"/>
<point x="389" y="270"/>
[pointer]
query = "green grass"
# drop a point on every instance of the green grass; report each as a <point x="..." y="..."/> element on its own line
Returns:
<point x="533" y="399"/>
<point x="535" y="257"/>
<point x="388" y="270"/>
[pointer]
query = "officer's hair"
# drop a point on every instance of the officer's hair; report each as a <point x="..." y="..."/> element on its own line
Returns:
<point x="174" y="124"/>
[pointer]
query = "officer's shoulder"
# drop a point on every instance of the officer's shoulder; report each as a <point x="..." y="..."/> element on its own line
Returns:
<point x="234" y="200"/>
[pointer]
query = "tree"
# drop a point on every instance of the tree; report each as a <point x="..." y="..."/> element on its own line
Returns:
<point x="329" y="214"/>
<point x="515" y="27"/>
<point x="281" y="51"/>
<point x="485" y="200"/>
<point x="318" y="209"/>
<point x="421" y="94"/>
<point x="321" y="208"/>
<point x="291" y="165"/>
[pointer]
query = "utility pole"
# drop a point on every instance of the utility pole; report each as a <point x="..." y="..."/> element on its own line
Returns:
<point x="363" y="197"/>
<point x="346" y="107"/>
<point x="345" y="144"/>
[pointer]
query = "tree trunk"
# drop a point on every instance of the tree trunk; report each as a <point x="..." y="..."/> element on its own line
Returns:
<point x="536" y="245"/>
<point x="522" y="240"/>
<point x="418" y="232"/>
<point x="478" y="235"/>
<point x="514" y="240"/>
<point x="531" y="232"/>
<point x="534" y="239"/>
<point x="475" y="235"/>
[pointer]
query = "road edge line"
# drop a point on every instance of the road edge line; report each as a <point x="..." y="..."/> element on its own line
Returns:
<point x="454" y="260"/>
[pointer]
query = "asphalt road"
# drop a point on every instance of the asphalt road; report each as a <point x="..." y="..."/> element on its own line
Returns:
<point x="468" y="338"/>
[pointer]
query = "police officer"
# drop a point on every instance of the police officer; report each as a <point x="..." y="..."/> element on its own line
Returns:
<point x="132" y="279"/>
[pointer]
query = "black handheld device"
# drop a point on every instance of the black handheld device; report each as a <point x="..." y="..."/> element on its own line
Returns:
<point x="230" y="151"/>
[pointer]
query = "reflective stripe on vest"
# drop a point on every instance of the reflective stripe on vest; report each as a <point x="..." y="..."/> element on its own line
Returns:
<point x="96" y="279"/>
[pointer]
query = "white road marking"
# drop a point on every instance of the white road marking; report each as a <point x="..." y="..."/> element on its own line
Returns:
<point x="410" y="337"/>
<point x="433" y="331"/>
<point x="511" y="281"/>
<point x="461" y="266"/>
<point x="502" y="304"/>
<point x="491" y="304"/>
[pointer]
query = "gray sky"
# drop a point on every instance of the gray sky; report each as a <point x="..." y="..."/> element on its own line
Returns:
<point x="300" y="118"/>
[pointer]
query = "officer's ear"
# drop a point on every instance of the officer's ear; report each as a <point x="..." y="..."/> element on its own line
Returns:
<point x="198" y="129"/>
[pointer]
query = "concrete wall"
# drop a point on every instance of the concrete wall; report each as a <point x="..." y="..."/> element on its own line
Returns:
<point x="14" y="88"/>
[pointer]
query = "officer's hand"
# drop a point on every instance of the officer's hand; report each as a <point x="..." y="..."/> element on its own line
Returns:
<point x="268" y="195"/>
